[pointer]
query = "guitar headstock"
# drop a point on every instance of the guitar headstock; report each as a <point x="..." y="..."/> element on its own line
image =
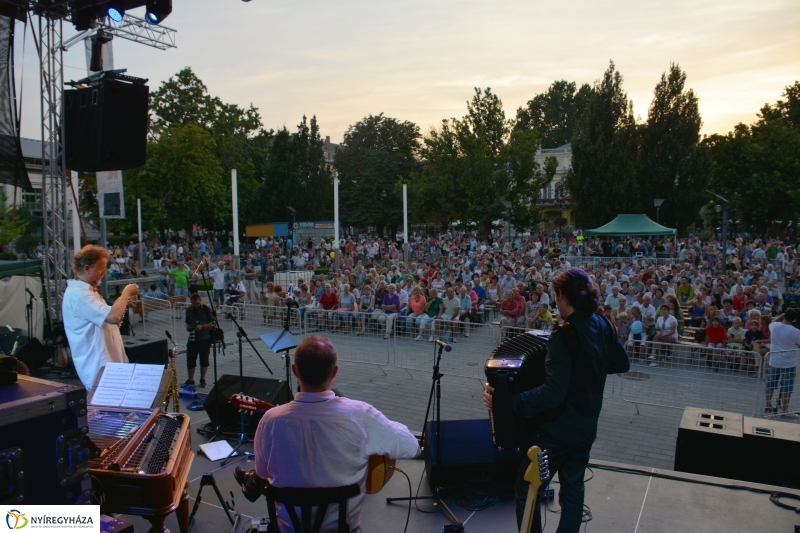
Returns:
<point x="539" y="469"/>
<point x="248" y="404"/>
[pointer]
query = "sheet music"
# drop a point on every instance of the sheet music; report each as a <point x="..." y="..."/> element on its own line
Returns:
<point x="116" y="376"/>
<point x="108" y="396"/>
<point x="128" y="385"/>
<point x="139" y="398"/>
<point x="146" y="377"/>
<point x="217" y="450"/>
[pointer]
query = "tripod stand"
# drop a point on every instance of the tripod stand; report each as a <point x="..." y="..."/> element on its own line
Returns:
<point x="240" y="334"/>
<point x="436" y="388"/>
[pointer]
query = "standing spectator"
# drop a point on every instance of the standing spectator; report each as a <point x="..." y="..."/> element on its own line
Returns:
<point x="250" y="282"/>
<point x="218" y="276"/>
<point x="784" y="344"/>
<point x="181" y="276"/>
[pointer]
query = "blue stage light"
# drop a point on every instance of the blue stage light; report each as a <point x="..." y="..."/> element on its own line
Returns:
<point x="115" y="13"/>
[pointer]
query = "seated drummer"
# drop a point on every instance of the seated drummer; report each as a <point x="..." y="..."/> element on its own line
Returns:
<point x="321" y="440"/>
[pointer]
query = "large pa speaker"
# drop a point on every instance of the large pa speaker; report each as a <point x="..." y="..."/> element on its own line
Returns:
<point x="710" y="443"/>
<point x="28" y="350"/>
<point x="146" y="351"/>
<point x="274" y="391"/>
<point x="467" y="455"/>
<point x="771" y="451"/>
<point x="105" y="126"/>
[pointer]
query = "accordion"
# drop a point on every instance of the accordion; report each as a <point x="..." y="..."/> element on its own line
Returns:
<point x="515" y="366"/>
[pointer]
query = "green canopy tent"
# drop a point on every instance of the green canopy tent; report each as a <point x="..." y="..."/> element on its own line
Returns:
<point x="630" y="226"/>
<point x="20" y="268"/>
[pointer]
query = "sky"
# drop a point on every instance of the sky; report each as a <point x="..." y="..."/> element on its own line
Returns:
<point x="420" y="60"/>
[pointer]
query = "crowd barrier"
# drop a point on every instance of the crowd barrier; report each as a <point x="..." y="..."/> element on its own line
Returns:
<point x="684" y="375"/>
<point x="595" y="261"/>
<point x="692" y="375"/>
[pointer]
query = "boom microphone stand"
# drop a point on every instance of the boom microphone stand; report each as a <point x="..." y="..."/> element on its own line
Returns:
<point x="215" y="321"/>
<point x="436" y="386"/>
<point x="241" y="333"/>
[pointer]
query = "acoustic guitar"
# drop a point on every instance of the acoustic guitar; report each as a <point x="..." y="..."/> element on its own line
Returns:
<point x="535" y="474"/>
<point x="380" y="468"/>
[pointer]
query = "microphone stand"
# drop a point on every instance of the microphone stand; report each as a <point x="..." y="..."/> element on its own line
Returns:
<point x="241" y="333"/>
<point x="215" y="321"/>
<point x="29" y="313"/>
<point x="436" y="387"/>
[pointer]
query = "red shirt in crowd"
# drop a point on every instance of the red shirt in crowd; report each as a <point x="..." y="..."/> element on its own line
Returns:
<point x="739" y="301"/>
<point x="716" y="334"/>
<point x="329" y="301"/>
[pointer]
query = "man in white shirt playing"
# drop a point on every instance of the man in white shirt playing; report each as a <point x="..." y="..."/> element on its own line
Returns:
<point x="784" y="343"/>
<point x="321" y="440"/>
<point x="92" y="326"/>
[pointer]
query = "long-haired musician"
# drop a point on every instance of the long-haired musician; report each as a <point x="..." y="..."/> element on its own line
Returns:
<point x="580" y="355"/>
<point x="92" y="326"/>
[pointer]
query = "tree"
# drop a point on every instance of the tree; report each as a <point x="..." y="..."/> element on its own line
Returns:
<point x="378" y="152"/>
<point x="11" y="223"/>
<point x="555" y="114"/>
<point x="181" y="184"/>
<point x="473" y="164"/>
<point x="603" y="176"/>
<point x="757" y="167"/>
<point x="672" y="165"/>
<point x="294" y="174"/>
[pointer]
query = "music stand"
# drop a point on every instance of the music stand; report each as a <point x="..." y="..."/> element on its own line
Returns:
<point x="282" y="341"/>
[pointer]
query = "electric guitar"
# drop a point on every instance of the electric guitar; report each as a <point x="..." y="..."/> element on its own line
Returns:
<point x="379" y="468"/>
<point x="535" y="474"/>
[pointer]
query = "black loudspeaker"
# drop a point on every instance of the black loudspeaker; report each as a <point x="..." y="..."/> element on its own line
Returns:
<point x="467" y="455"/>
<point x="771" y="451"/>
<point x="710" y="443"/>
<point x="105" y="126"/>
<point x="30" y="351"/>
<point x="274" y="391"/>
<point x="146" y="351"/>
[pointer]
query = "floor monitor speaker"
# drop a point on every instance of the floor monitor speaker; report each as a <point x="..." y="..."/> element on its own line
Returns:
<point x="274" y="391"/>
<point x="771" y="452"/>
<point x="710" y="443"/>
<point x="144" y="350"/>
<point x="30" y="351"/>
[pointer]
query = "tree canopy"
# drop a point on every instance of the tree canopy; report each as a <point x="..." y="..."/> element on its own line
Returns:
<point x="556" y="113"/>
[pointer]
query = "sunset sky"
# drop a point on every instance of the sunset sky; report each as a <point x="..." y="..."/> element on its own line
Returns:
<point x="419" y="61"/>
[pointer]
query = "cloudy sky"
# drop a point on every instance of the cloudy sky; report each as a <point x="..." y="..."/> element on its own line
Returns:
<point x="419" y="60"/>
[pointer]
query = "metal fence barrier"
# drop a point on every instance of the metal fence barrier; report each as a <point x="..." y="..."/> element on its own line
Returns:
<point x="779" y="382"/>
<point x="472" y="343"/>
<point x="358" y="337"/>
<point x="683" y="375"/>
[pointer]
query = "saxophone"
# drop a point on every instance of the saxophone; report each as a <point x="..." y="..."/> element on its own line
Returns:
<point x="173" y="386"/>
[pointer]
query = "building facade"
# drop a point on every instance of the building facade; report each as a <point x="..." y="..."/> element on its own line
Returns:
<point x="555" y="201"/>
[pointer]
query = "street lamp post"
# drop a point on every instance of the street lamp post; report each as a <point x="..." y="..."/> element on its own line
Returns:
<point x="293" y="233"/>
<point x="657" y="202"/>
<point x="724" y="224"/>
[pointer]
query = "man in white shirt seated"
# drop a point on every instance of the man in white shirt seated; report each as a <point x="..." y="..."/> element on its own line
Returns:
<point x="320" y="440"/>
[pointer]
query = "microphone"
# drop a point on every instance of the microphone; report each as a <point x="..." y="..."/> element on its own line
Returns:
<point x="444" y="345"/>
<point x="169" y="335"/>
<point x="29" y="292"/>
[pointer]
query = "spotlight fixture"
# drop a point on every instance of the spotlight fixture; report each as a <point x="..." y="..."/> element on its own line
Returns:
<point x="157" y="11"/>
<point x="115" y="12"/>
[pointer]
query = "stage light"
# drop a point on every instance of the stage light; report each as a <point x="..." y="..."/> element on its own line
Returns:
<point x="157" y="11"/>
<point x="115" y="12"/>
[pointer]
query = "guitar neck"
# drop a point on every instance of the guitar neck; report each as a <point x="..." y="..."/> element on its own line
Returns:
<point x="530" y="508"/>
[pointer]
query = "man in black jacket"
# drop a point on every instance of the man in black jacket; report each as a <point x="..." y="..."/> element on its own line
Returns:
<point x="581" y="353"/>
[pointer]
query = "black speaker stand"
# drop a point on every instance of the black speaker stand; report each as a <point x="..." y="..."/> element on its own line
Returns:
<point x="436" y="387"/>
<point x="208" y="479"/>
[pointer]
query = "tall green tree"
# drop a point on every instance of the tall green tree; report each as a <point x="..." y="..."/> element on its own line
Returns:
<point x="556" y="113"/>
<point x="377" y="153"/>
<point x="757" y="167"/>
<point x="12" y="224"/>
<point x="474" y="164"/>
<point x="673" y="165"/>
<point x="603" y="178"/>
<point x="181" y="184"/>
<point x="294" y="174"/>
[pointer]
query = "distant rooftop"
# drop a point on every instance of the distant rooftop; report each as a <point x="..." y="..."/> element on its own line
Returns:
<point x="563" y="149"/>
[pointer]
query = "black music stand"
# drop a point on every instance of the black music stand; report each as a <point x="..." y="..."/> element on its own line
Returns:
<point x="436" y="386"/>
<point x="283" y="341"/>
